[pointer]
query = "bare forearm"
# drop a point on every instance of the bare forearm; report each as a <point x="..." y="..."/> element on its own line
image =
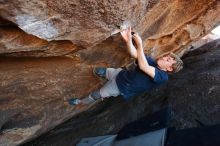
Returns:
<point x="132" y="50"/>
<point x="143" y="64"/>
<point x="142" y="61"/>
<point x="126" y="35"/>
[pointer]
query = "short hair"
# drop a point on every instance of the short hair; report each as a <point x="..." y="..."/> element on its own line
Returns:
<point x="179" y="63"/>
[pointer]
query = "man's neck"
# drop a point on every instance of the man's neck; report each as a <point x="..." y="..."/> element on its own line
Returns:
<point x="161" y="68"/>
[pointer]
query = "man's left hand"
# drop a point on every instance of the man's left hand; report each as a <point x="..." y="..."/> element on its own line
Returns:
<point x="137" y="40"/>
<point x="126" y="35"/>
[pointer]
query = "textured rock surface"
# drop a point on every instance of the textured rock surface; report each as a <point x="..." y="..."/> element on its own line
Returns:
<point x="15" y="42"/>
<point x="172" y="25"/>
<point x="193" y="94"/>
<point x="83" y="22"/>
<point x="166" y="26"/>
<point x="195" y="91"/>
<point x="34" y="90"/>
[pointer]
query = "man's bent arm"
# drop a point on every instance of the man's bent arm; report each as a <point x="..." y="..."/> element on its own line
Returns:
<point x="131" y="49"/>
<point x="126" y="35"/>
<point x="142" y="61"/>
<point x="143" y="64"/>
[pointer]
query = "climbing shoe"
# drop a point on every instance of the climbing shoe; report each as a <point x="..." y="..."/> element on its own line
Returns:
<point x="74" y="101"/>
<point x="100" y="72"/>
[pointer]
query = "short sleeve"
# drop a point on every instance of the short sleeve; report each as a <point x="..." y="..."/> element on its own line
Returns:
<point x="150" y="61"/>
<point x="160" y="76"/>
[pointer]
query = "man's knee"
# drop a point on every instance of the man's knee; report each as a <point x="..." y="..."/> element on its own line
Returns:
<point x="111" y="73"/>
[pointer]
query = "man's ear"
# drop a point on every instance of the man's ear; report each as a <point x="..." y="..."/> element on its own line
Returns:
<point x="170" y="69"/>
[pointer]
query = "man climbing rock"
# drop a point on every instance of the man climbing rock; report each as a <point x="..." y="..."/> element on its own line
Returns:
<point x="147" y="74"/>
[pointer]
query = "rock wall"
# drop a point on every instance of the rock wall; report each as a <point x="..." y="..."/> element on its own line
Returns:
<point x="48" y="49"/>
<point x="193" y="95"/>
<point x="165" y="26"/>
<point x="196" y="89"/>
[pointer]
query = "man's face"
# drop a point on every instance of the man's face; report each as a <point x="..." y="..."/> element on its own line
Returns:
<point x="165" y="63"/>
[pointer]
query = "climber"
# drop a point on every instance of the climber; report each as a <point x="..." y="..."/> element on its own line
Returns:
<point x="147" y="74"/>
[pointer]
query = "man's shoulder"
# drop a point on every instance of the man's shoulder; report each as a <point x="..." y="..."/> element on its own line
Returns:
<point x="151" y="61"/>
<point x="160" y="75"/>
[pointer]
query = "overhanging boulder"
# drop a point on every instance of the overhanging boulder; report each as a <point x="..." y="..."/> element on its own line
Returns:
<point x="81" y="34"/>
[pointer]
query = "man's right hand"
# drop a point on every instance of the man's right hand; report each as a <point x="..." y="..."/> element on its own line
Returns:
<point x="126" y="35"/>
<point x="138" y="41"/>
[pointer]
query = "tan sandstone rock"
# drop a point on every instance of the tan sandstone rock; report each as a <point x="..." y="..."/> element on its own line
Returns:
<point x="81" y="34"/>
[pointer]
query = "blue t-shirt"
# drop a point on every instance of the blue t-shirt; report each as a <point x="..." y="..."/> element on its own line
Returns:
<point x="133" y="82"/>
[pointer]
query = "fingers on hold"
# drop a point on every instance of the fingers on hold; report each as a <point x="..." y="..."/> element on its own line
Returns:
<point x="136" y="35"/>
<point x="122" y="32"/>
